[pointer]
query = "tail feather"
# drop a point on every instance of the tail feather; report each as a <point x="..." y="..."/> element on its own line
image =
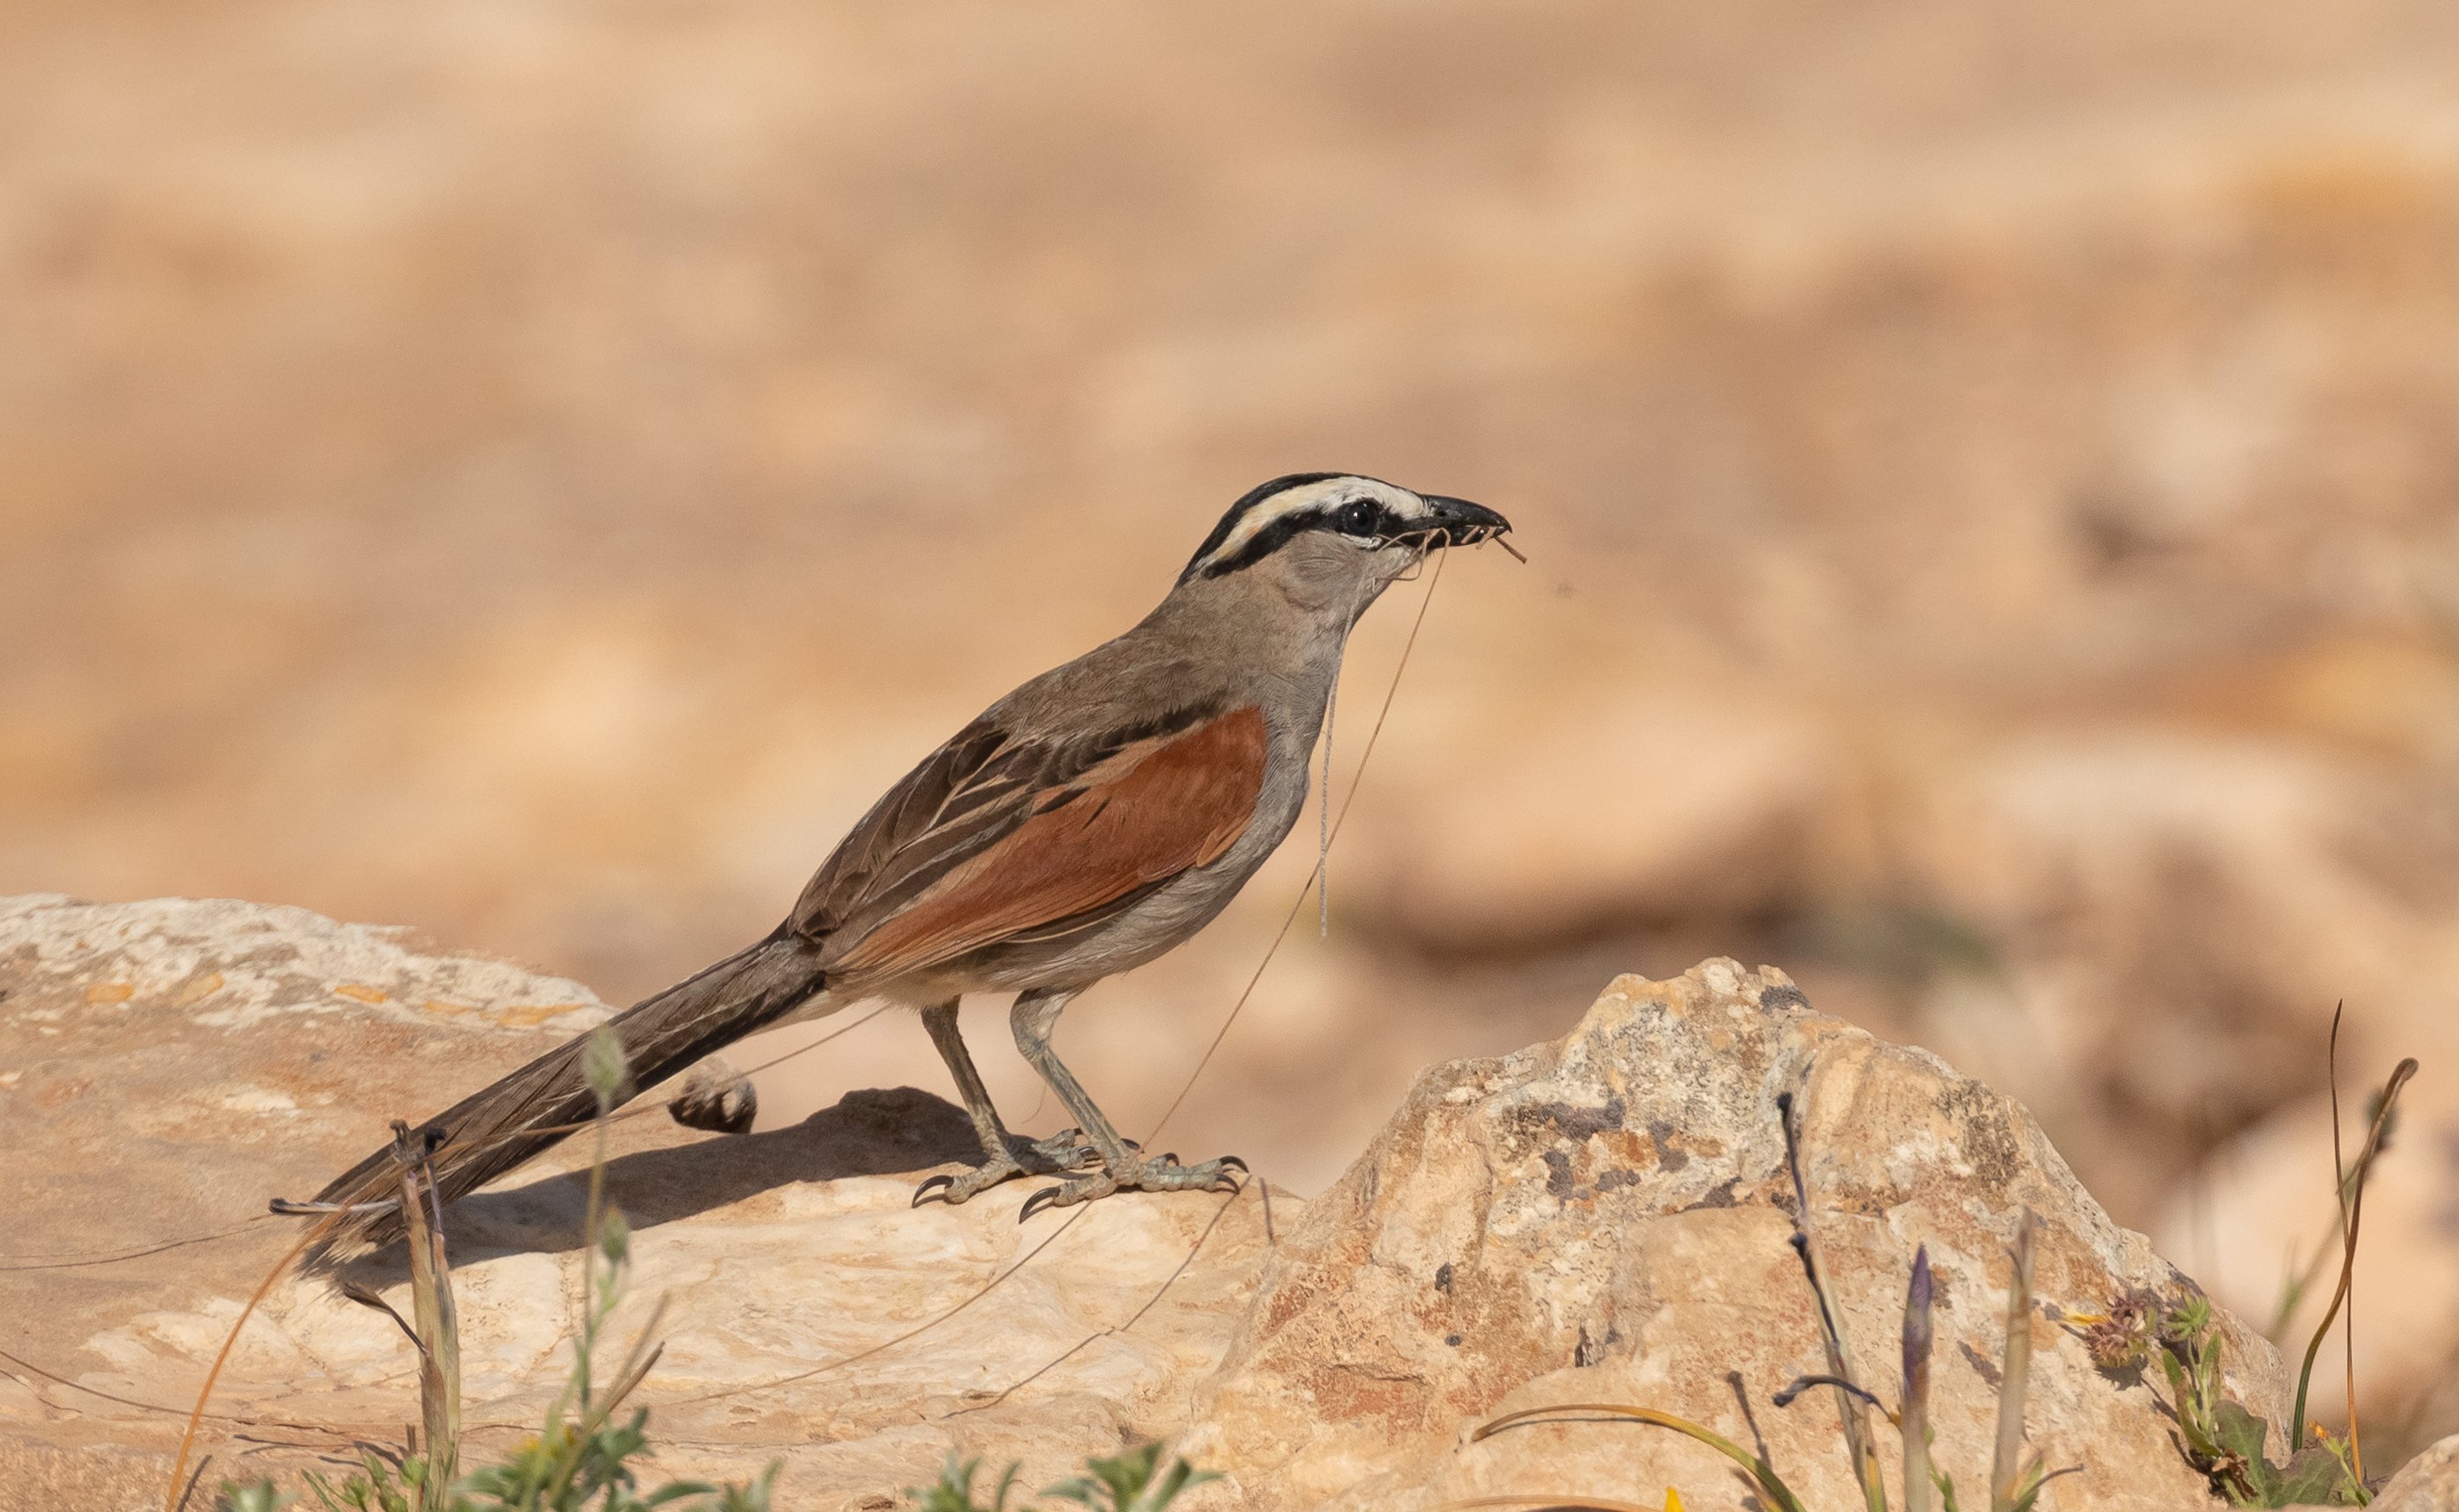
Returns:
<point x="495" y="1130"/>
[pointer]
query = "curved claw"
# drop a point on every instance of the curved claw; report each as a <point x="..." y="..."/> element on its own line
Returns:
<point x="1233" y="1160"/>
<point x="1047" y="1197"/>
<point x="931" y="1185"/>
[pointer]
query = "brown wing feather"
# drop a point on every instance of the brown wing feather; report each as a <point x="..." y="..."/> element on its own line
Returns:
<point x="966" y="795"/>
<point x="1147" y="811"/>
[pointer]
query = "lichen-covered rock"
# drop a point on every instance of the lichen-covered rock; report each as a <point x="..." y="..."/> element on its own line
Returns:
<point x="1606" y="1219"/>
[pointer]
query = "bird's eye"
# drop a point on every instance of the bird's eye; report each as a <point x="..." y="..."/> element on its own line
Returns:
<point x="1358" y="518"/>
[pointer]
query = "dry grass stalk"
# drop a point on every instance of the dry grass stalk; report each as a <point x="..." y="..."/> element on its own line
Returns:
<point x="438" y="1330"/>
<point x="2351" y="1192"/>
<point x="2006" y="1465"/>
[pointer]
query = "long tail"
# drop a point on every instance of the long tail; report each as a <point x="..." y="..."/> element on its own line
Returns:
<point x="493" y="1130"/>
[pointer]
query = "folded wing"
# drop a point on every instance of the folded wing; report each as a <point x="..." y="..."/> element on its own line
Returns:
<point x="1022" y="850"/>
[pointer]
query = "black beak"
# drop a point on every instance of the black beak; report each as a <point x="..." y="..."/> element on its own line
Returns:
<point x="1461" y="523"/>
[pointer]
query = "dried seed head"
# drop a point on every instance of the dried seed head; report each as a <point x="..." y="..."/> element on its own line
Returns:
<point x="2121" y="1338"/>
<point x="614" y="1237"/>
<point x="603" y="1066"/>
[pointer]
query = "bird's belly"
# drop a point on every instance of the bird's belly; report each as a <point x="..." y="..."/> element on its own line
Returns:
<point x="1147" y="928"/>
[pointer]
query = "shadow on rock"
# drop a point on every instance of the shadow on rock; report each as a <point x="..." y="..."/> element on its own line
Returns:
<point x="868" y="1132"/>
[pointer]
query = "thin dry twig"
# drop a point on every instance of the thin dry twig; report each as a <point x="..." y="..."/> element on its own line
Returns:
<point x="78" y="1259"/>
<point x="1131" y="1320"/>
<point x="1849" y="1411"/>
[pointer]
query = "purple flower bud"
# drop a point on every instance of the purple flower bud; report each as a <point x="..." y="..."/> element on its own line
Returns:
<point x="1917" y="1330"/>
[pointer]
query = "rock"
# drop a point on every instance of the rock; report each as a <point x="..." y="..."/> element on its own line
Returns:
<point x="2430" y="1483"/>
<point x="1604" y="1219"/>
<point x="173" y="1065"/>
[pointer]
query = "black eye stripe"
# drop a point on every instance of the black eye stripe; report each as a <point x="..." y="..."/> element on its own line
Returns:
<point x="1373" y="521"/>
<point x="1281" y="532"/>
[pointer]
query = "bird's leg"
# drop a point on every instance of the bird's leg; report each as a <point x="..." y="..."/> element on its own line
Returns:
<point x="1005" y="1156"/>
<point x="1122" y="1165"/>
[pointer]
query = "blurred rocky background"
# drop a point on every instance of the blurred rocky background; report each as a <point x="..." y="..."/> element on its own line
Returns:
<point x="535" y="470"/>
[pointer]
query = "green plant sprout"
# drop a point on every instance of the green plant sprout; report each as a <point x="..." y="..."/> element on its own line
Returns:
<point x="1145" y="1479"/>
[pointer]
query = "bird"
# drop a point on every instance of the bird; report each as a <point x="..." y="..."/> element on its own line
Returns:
<point x="1087" y="823"/>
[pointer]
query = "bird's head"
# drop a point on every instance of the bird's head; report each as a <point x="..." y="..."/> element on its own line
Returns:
<point x="1335" y="537"/>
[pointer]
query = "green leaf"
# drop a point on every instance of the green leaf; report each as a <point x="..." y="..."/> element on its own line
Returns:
<point x="1139" y="1479"/>
<point x="2315" y="1477"/>
<point x="2240" y="1432"/>
<point x="2176" y="1375"/>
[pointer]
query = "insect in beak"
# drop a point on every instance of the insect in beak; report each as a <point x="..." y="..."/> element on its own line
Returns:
<point x="1458" y="522"/>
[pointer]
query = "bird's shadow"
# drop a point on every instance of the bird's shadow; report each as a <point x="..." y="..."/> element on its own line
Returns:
<point x="871" y="1132"/>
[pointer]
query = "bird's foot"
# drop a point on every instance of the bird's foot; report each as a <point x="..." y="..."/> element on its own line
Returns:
<point x="1058" y="1155"/>
<point x="1164" y="1174"/>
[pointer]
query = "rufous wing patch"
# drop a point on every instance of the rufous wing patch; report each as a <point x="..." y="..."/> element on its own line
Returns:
<point x="1153" y="810"/>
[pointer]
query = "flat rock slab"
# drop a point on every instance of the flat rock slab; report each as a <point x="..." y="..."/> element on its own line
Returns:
<point x="170" y="1066"/>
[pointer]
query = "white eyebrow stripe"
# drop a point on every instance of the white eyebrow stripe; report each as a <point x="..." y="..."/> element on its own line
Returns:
<point x="1279" y="506"/>
<point x="1310" y="496"/>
